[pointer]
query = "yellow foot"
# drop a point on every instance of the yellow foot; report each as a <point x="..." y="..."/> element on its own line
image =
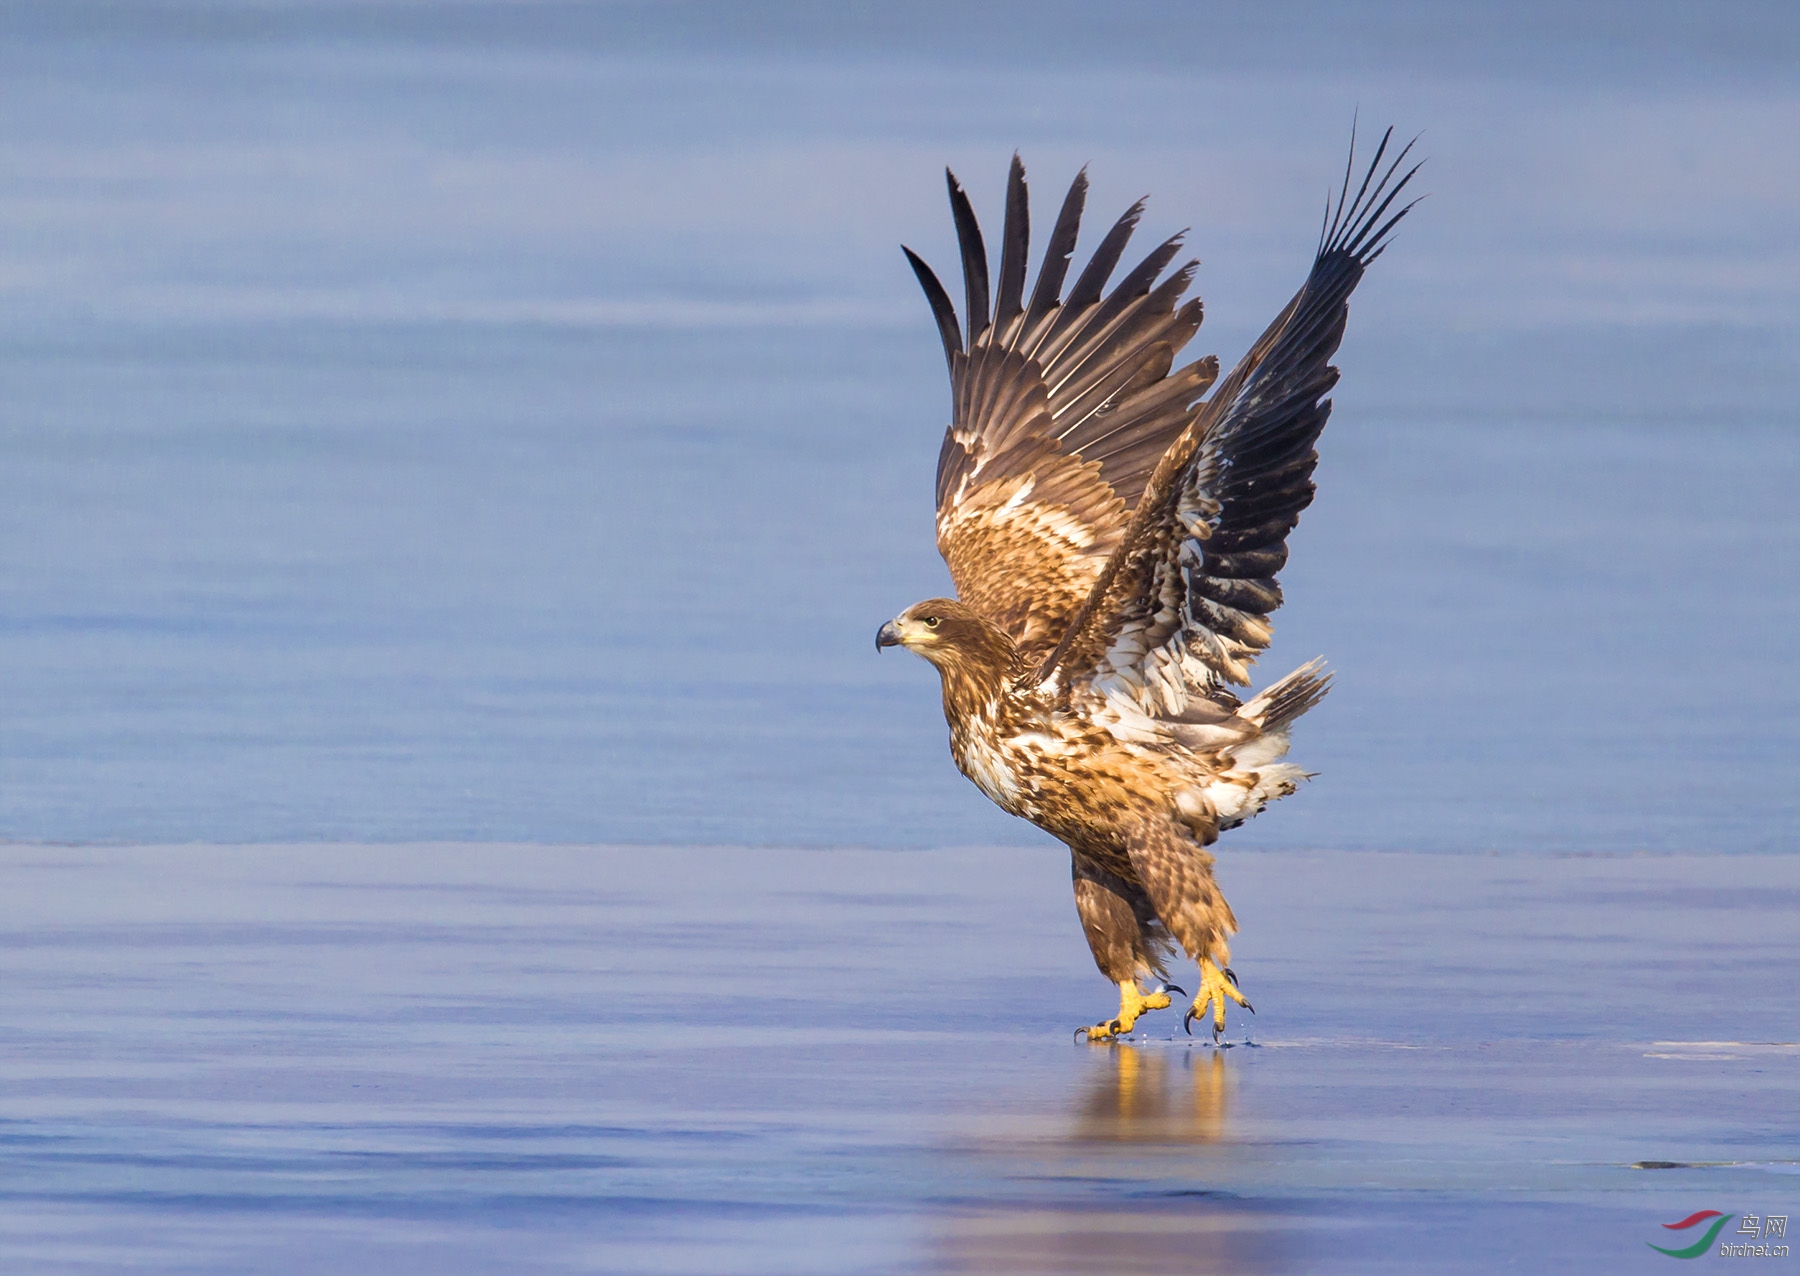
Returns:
<point x="1216" y="987"/>
<point x="1132" y="1003"/>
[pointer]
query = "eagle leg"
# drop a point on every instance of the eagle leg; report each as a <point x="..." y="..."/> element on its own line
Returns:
<point x="1129" y="944"/>
<point x="1132" y="1004"/>
<point x="1216" y="987"/>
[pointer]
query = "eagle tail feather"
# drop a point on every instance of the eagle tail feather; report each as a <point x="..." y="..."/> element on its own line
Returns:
<point x="1275" y="707"/>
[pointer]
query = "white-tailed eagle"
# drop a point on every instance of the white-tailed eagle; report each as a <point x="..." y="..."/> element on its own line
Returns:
<point x="1114" y="533"/>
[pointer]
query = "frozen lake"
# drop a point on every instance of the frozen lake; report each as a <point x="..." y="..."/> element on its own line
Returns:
<point x="529" y="1059"/>
<point x="453" y="460"/>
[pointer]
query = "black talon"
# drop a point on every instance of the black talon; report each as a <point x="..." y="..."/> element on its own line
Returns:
<point x="1248" y="1006"/>
<point x="1174" y="988"/>
<point x="1232" y="976"/>
<point x="1078" y="1033"/>
<point x="1187" y="1023"/>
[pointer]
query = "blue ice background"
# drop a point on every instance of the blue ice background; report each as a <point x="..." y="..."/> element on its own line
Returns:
<point x="511" y="422"/>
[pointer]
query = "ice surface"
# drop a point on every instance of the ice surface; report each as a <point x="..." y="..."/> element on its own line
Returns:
<point x="532" y="1059"/>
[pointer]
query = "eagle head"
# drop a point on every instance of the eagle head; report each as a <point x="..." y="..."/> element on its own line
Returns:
<point x="950" y="636"/>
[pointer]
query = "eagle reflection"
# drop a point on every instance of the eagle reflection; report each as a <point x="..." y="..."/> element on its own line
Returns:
<point x="1156" y="1096"/>
<point x="1144" y="1115"/>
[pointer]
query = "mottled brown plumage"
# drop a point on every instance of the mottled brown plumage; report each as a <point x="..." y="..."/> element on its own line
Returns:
<point x="1114" y="538"/>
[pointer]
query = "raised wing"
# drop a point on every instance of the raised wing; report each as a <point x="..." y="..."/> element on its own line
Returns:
<point x="1182" y="607"/>
<point x="1061" y="408"/>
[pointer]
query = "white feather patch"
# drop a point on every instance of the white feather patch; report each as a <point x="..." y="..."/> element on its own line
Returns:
<point x="989" y="770"/>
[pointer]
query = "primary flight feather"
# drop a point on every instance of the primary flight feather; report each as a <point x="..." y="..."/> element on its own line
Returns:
<point x="1114" y="534"/>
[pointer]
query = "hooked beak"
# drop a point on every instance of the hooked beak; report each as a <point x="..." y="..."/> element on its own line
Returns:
<point x="887" y="636"/>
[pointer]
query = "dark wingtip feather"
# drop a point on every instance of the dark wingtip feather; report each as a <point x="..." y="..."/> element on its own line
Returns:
<point x="974" y="258"/>
<point x="1015" y="246"/>
<point x="942" y="308"/>
<point x="1092" y="282"/>
<point x="1377" y="242"/>
<point x="1356" y="225"/>
<point x="1060" y="248"/>
<point x="1344" y="191"/>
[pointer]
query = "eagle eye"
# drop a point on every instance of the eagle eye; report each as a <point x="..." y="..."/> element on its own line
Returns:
<point x="931" y="622"/>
